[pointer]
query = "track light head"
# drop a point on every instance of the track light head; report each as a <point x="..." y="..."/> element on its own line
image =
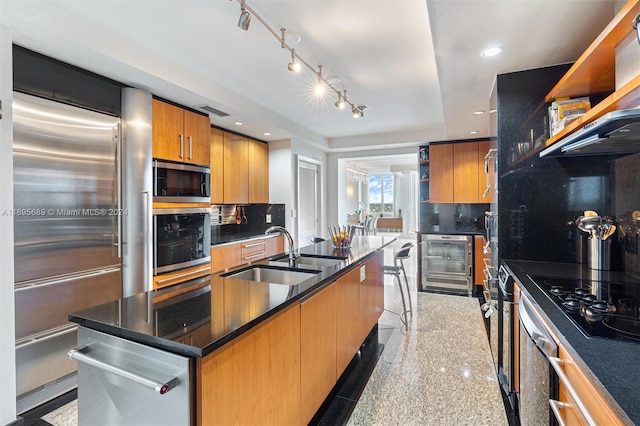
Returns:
<point x="358" y="111"/>
<point x="340" y="102"/>
<point x="245" y="18"/>
<point x="294" y="66"/>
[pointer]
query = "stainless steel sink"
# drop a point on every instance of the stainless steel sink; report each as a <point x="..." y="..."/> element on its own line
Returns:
<point x="315" y="260"/>
<point x="273" y="275"/>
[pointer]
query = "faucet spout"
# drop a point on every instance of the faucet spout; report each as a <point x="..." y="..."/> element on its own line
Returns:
<point x="292" y="252"/>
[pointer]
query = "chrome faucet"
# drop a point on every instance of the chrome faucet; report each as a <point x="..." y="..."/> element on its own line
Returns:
<point x="292" y="253"/>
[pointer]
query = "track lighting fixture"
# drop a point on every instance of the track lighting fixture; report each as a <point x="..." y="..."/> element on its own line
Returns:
<point x="245" y="17"/>
<point x="294" y="66"/>
<point x="296" y="61"/>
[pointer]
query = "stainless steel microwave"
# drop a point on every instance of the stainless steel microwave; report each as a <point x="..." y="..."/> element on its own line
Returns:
<point x="181" y="238"/>
<point x="181" y="183"/>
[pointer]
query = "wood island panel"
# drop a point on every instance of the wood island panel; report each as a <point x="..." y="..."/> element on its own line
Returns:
<point x="255" y="379"/>
<point x="347" y="319"/>
<point x="318" y="350"/>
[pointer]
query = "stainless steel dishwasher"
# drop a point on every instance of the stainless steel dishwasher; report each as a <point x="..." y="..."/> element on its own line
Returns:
<point x="537" y="380"/>
<point x="123" y="382"/>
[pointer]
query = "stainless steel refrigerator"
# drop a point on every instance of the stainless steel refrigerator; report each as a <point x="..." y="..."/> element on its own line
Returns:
<point x="68" y="217"/>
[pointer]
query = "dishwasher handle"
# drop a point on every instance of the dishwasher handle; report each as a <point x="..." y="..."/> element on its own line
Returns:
<point x="82" y="354"/>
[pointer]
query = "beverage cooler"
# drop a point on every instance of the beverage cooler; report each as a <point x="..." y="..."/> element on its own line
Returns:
<point x="447" y="263"/>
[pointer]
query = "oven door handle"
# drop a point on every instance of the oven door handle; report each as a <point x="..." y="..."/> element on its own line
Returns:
<point x="557" y="363"/>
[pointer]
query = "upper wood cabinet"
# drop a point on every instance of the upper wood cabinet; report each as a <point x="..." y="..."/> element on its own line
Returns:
<point x="179" y="134"/>
<point x="217" y="166"/>
<point x="441" y="169"/>
<point x="258" y="172"/>
<point x="236" y="169"/>
<point x="457" y="172"/>
<point x="245" y="170"/>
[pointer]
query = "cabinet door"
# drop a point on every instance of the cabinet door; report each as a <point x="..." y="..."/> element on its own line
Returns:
<point x="465" y="175"/>
<point x="478" y="256"/>
<point x="274" y="245"/>
<point x="236" y="169"/>
<point x="167" y="129"/>
<point x="371" y="295"/>
<point x="347" y="319"/>
<point x="483" y="178"/>
<point x="196" y="138"/>
<point x="317" y="350"/>
<point x="441" y="169"/>
<point x="216" y="151"/>
<point x="254" y="379"/>
<point x="258" y="172"/>
<point x="223" y="257"/>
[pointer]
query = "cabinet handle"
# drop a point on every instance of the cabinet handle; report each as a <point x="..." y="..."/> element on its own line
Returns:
<point x="254" y="245"/>
<point x="259" y="255"/>
<point x="185" y="275"/>
<point x="190" y="148"/>
<point x="181" y="145"/>
<point x="557" y="363"/>
<point x="556" y="406"/>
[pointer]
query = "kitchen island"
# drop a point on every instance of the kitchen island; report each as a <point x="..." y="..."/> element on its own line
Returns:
<point x="610" y="365"/>
<point x="256" y="352"/>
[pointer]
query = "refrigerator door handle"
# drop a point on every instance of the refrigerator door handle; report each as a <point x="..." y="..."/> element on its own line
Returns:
<point x="119" y="213"/>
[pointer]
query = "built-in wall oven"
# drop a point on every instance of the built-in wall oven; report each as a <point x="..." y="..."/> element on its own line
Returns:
<point x="181" y="237"/>
<point x="447" y="263"/>
<point x="181" y="183"/>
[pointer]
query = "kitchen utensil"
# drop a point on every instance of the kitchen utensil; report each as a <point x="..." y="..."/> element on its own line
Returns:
<point x="238" y="217"/>
<point x="610" y="230"/>
<point x="589" y="223"/>
<point x="244" y="217"/>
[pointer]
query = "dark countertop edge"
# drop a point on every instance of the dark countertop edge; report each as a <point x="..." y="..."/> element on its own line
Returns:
<point x="611" y="365"/>
<point x="451" y="232"/>
<point x="191" y="351"/>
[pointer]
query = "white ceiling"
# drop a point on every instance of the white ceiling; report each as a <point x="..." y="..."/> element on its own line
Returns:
<point x="415" y="64"/>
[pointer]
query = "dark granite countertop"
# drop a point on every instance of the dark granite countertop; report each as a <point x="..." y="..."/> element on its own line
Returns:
<point x="213" y="310"/>
<point x="613" y="366"/>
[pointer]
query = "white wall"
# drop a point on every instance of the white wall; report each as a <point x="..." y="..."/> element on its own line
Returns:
<point x="283" y="178"/>
<point x="7" y="314"/>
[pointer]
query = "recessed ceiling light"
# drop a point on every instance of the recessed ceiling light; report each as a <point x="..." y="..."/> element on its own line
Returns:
<point x="479" y="112"/>
<point x="493" y="111"/>
<point x="267" y="134"/>
<point x="474" y="132"/>
<point x="238" y="123"/>
<point x="492" y="51"/>
<point x="292" y="38"/>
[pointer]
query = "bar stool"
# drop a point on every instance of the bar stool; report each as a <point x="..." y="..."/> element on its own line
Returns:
<point x="317" y="240"/>
<point x="398" y="265"/>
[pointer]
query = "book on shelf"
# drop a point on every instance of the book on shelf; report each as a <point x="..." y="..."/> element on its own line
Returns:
<point x="566" y="110"/>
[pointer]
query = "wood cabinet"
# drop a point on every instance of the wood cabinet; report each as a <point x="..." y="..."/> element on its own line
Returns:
<point x="179" y="134"/>
<point x="457" y="172"/>
<point x="216" y="151"/>
<point x="231" y="255"/>
<point x="465" y="172"/>
<point x="371" y="295"/>
<point x="574" y="377"/>
<point x="347" y="319"/>
<point x="441" y="173"/>
<point x="317" y="350"/>
<point x="258" y="172"/>
<point x="236" y="169"/>
<point x="255" y="379"/>
<point x="478" y="259"/>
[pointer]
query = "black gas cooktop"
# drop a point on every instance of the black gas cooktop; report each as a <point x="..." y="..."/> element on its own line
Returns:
<point x="600" y="308"/>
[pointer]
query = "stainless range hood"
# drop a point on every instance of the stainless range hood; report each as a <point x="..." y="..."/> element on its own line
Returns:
<point x="617" y="132"/>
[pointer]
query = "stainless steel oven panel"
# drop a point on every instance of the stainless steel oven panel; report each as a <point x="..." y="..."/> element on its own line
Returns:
<point x="204" y="240"/>
<point x="536" y="346"/>
<point x="186" y="169"/>
<point x="117" y="383"/>
<point x="35" y="312"/>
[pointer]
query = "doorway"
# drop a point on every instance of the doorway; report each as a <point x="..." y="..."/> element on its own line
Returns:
<point x="308" y="200"/>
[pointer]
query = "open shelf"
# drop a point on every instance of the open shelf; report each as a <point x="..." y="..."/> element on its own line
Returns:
<point x="594" y="71"/>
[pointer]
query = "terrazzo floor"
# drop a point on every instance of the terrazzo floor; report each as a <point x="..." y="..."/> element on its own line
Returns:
<point x="440" y="372"/>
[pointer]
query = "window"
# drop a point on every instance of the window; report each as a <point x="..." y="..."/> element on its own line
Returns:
<point x="381" y="194"/>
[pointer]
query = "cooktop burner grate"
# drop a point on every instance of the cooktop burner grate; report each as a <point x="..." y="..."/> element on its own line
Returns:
<point x="604" y="309"/>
